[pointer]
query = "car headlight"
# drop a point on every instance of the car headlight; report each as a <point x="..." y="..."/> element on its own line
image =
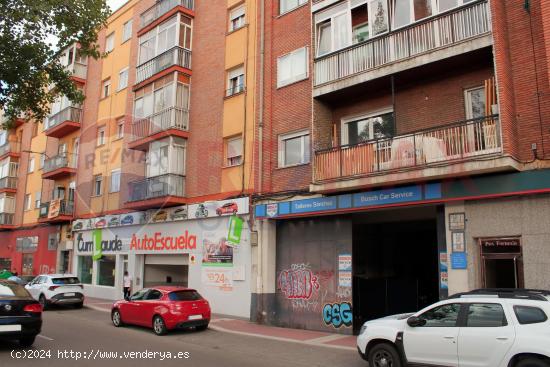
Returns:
<point x="363" y="329"/>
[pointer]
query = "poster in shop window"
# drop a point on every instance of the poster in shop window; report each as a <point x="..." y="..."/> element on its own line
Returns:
<point x="217" y="261"/>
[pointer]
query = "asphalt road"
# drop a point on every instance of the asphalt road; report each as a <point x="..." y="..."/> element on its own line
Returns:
<point x="92" y="339"/>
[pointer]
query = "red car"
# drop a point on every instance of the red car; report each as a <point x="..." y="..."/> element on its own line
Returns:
<point x="229" y="208"/>
<point x="163" y="308"/>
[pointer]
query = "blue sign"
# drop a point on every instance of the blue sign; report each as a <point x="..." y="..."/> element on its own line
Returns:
<point x="313" y="205"/>
<point x="391" y="196"/>
<point x="459" y="260"/>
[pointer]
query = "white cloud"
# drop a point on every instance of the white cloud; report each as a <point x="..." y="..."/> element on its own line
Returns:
<point x="115" y="4"/>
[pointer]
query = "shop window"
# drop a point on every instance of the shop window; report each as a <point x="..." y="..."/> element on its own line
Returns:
<point x="85" y="266"/>
<point x="292" y="67"/>
<point x="294" y="149"/>
<point x="106" y="271"/>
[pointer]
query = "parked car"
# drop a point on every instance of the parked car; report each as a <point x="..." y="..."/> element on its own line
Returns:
<point x="227" y="208"/>
<point x="59" y="289"/>
<point x="486" y="327"/>
<point x="20" y="314"/>
<point x="163" y="308"/>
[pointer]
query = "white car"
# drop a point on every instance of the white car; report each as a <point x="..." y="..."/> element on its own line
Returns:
<point x="61" y="289"/>
<point x="492" y="328"/>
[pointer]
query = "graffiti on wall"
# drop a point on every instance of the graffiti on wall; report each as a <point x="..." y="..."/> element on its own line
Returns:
<point x="338" y="314"/>
<point x="298" y="282"/>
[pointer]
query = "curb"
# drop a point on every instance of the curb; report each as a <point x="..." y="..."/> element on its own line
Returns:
<point x="213" y="326"/>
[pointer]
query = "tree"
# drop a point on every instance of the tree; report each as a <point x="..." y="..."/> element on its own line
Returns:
<point x="31" y="75"/>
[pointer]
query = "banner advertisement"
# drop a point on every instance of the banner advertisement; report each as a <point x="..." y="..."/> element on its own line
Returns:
<point x="54" y="208"/>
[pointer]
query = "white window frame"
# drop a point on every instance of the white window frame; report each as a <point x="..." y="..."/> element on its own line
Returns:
<point x="237" y="13"/>
<point x="37" y="199"/>
<point x="101" y="136"/>
<point x="300" y="3"/>
<point x="31" y="165"/>
<point x="122" y="77"/>
<point x="115" y="187"/>
<point x="237" y="74"/>
<point x="120" y="128"/>
<point x="95" y="193"/>
<point x="27" y="202"/>
<point x="127" y="30"/>
<point x="344" y="136"/>
<point x="110" y="42"/>
<point x="281" y="151"/>
<point x="435" y="11"/>
<point x="238" y="157"/>
<point x="106" y="88"/>
<point x="293" y="78"/>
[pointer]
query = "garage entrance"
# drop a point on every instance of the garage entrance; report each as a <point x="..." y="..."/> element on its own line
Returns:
<point x="395" y="262"/>
<point x="166" y="270"/>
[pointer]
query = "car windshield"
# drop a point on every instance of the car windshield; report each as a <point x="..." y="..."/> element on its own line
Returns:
<point x="64" y="281"/>
<point x="184" y="296"/>
<point x="12" y="290"/>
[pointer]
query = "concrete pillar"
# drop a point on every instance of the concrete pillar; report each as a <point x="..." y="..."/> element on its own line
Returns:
<point x="458" y="279"/>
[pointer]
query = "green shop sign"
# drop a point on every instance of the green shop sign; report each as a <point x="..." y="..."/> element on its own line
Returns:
<point x="235" y="230"/>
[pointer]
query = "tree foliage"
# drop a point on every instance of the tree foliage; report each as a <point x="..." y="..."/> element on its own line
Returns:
<point x="33" y="34"/>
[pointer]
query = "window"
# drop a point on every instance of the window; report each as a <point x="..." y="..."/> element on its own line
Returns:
<point x="235" y="81"/>
<point x="288" y="5"/>
<point x="236" y="18"/>
<point x="164" y="37"/>
<point x="409" y="11"/>
<point x="529" y="315"/>
<point x="474" y="99"/>
<point x="85" y="265"/>
<point x="120" y="129"/>
<point x="106" y="271"/>
<point x="98" y="180"/>
<point x="53" y="242"/>
<point x="123" y="79"/>
<point x="184" y="296"/>
<point x="101" y="136"/>
<point x="42" y="160"/>
<point x="234" y="151"/>
<point x="27" y="203"/>
<point x="106" y="88"/>
<point x="292" y="67"/>
<point x="31" y="165"/>
<point x="37" y="198"/>
<point x="127" y="31"/>
<point x="139" y="295"/>
<point x="442" y="316"/>
<point x="294" y="149"/>
<point x="486" y="315"/>
<point x="115" y="180"/>
<point x="152" y="295"/>
<point x="110" y="42"/>
<point x="373" y="126"/>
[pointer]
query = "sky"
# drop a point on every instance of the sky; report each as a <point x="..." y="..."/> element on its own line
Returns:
<point x="115" y="4"/>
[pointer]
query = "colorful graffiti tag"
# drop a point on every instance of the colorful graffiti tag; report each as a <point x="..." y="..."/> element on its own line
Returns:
<point x="338" y="314"/>
<point x="298" y="282"/>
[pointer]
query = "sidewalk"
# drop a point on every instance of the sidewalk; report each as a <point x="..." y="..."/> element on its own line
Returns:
<point x="243" y="327"/>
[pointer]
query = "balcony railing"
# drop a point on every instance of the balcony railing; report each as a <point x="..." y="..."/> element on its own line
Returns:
<point x="162" y="7"/>
<point x="156" y="187"/>
<point x="174" y="56"/>
<point x="10" y="181"/>
<point x="10" y="147"/>
<point x="170" y="118"/>
<point x="462" y="141"/>
<point x="64" y="160"/>
<point x="436" y="32"/>
<point x="66" y="207"/>
<point x="6" y="219"/>
<point x="67" y="114"/>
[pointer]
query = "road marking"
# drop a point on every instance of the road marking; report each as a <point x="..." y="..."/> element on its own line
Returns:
<point x="44" y="337"/>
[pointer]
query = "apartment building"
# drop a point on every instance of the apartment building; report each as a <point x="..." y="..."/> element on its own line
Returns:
<point x="422" y="143"/>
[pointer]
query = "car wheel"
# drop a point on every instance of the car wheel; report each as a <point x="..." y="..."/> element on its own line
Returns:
<point x="27" y="341"/>
<point x="116" y="318"/>
<point x="159" y="327"/>
<point x="43" y="301"/>
<point x="532" y="362"/>
<point x="201" y="327"/>
<point x="384" y="355"/>
<point x="79" y="305"/>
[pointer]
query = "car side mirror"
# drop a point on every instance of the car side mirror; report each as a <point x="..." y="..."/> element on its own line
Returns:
<point x="415" y="321"/>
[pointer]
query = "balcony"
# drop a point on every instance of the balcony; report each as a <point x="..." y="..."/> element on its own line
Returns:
<point x="6" y="220"/>
<point x="458" y="149"/>
<point x="64" y="122"/>
<point x="161" y="8"/>
<point x="176" y="56"/>
<point x="56" y="211"/>
<point x="171" y="121"/>
<point x="158" y="191"/>
<point x="78" y="71"/>
<point x="59" y="166"/>
<point x="10" y="149"/>
<point x="9" y="182"/>
<point x="436" y="38"/>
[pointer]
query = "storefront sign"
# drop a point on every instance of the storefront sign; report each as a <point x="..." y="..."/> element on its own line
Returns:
<point x="235" y="229"/>
<point x="391" y="196"/>
<point x="216" y="249"/>
<point x="459" y="260"/>
<point x="218" y="276"/>
<point x="271" y="210"/>
<point x="500" y="246"/>
<point x="97" y="245"/>
<point x="313" y="205"/>
<point x="161" y="242"/>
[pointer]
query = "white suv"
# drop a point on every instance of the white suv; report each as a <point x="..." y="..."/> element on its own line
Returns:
<point x="61" y="289"/>
<point x="486" y="327"/>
